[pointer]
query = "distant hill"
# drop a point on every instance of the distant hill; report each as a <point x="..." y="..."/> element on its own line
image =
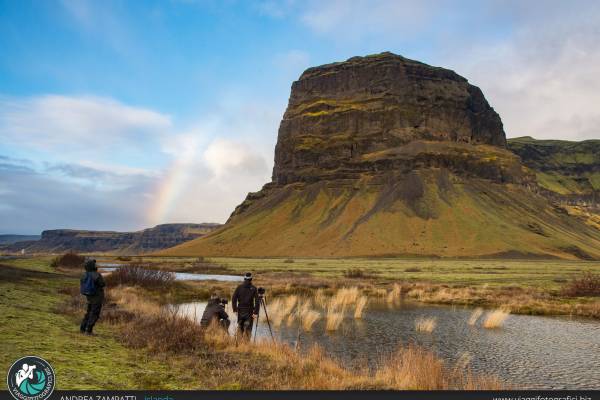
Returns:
<point x="147" y="240"/>
<point x="564" y="167"/>
<point x="567" y="172"/>
<point x="9" y="239"/>
<point x="386" y="156"/>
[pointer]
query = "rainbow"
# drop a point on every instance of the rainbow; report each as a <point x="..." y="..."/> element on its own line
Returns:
<point x="171" y="186"/>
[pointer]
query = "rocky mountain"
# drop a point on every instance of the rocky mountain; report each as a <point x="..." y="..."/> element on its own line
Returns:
<point x="147" y="240"/>
<point x="382" y="155"/>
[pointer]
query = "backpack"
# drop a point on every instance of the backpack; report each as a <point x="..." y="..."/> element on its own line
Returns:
<point x="88" y="285"/>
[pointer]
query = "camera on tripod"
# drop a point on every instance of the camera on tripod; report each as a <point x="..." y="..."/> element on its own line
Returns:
<point x="263" y="302"/>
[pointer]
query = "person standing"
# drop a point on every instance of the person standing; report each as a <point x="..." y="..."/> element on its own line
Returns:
<point x="246" y="304"/>
<point x="92" y="287"/>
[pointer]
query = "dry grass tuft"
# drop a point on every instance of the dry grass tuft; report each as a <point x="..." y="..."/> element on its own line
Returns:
<point x="320" y="298"/>
<point x="334" y="317"/>
<point x="131" y="299"/>
<point x="394" y="296"/>
<point x="418" y="369"/>
<point x="308" y="319"/>
<point x="275" y="312"/>
<point x="424" y="324"/>
<point x="344" y="297"/>
<point x="475" y="316"/>
<point x="361" y="303"/>
<point x="495" y="319"/>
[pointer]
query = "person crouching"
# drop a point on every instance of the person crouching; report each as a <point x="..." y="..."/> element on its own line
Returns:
<point x="215" y="313"/>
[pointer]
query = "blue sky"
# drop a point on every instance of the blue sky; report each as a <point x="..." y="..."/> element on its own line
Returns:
<point x="124" y="114"/>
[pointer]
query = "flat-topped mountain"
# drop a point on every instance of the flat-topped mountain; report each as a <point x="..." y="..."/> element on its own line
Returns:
<point x="144" y="241"/>
<point x="381" y="155"/>
<point x="340" y="115"/>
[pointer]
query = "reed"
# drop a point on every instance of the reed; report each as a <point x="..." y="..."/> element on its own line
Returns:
<point x="308" y="319"/>
<point x="495" y="319"/>
<point x="425" y="324"/>
<point x="334" y="317"/>
<point x="475" y="316"/>
<point x="320" y="298"/>
<point x="361" y="303"/>
<point x="289" y="303"/>
<point x="276" y="313"/>
<point x="394" y="296"/>
<point x="344" y="297"/>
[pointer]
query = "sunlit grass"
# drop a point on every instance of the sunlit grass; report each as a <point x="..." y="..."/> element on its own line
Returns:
<point x="425" y="324"/>
<point x="495" y="319"/>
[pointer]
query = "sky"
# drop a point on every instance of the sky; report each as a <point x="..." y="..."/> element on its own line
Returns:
<point x="120" y="115"/>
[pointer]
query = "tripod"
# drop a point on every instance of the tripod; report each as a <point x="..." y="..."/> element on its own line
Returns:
<point x="263" y="303"/>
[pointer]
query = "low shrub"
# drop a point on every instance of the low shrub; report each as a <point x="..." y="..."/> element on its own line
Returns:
<point x="163" y="332"/>
<point x="288" y="261"/>
<point x="413" y="269"/>
<point x="137" y="275"/>
<point x="124" y="258"/>
<point x="587" y="284"/>
<point x="68" y="260"/>
<point x="355" y="273"/>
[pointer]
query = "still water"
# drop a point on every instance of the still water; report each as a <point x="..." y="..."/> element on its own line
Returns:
<point x="180" y="276"/>
<point x="528" y="351"/>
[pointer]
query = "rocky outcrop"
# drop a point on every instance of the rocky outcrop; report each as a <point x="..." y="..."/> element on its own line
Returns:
<point x="339" y="115"/>
<point x="381" y="155"/>
<point x="567" y="171"/>
<point x="147" y="240"/>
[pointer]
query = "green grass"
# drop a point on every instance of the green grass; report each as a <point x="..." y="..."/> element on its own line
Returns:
<point x="30" y="324"/>
<point x="524" y="273"/>
<point x="493" y="272"/>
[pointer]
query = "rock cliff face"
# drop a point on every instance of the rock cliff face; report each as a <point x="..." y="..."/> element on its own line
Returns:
<point x="147" y="240"/>
<point x="381" y="155"/>
<point x="569" y="171"/>
<point x="342" y="113"/>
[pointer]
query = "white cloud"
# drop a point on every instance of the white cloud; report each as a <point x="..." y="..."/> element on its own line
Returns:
<point x="227" y="158"/>
<point x="543" y="79"/>
<point x="536" y="61"/>
<point x="63" y="123"/>
<point x="351" y="20"/>
<point x="106" y="165"/>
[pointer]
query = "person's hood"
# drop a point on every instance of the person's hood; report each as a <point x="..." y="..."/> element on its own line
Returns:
<point x="90" y="266"/>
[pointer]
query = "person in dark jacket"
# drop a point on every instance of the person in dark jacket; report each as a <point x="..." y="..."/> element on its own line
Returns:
<point x="95" y="300"/>
<point x="215" y="312"/>
<point x="246" y="304"/>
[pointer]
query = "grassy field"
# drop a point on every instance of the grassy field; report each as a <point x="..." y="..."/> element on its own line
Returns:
<point x="30" y="323"/>
<point x="545" y="274"/>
